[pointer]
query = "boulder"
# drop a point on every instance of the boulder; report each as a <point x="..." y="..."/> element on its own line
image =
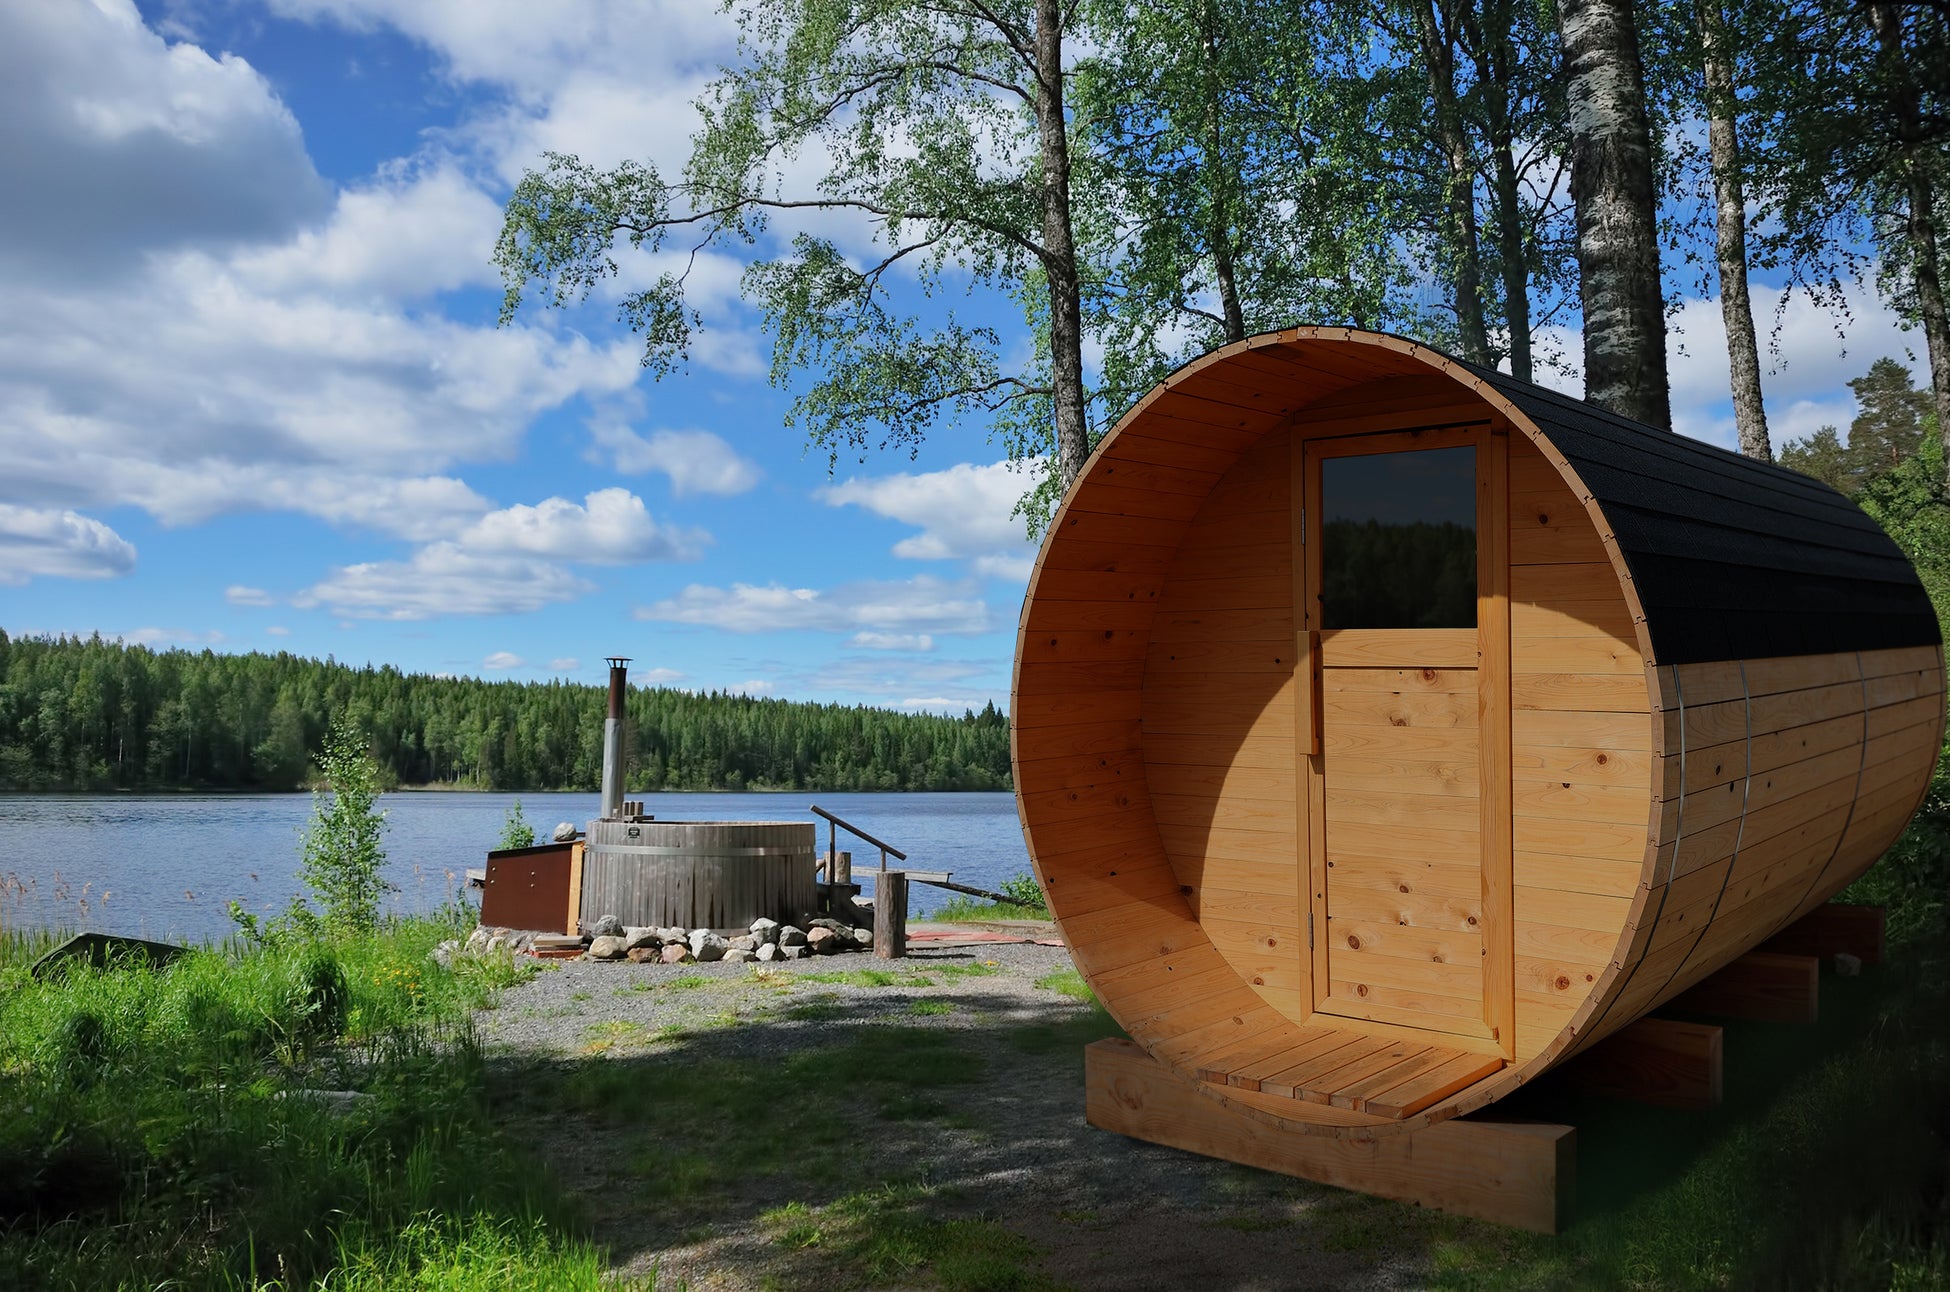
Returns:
<point x="708" y="946"/>
<point x="739" y="956"/>
<point x="644" y="955"/>
<point x="443" y="955"/>
<point x="676" y="953"/>
<point x="743" y="942"/>
<point x="828" y="922"/>
<point x="764" y="930"/>
<point x="824" y="942"/>
<point x="674" y="934"/>
<point x="791" y="935"/>
<point x="799" y="952"/>
<point x="606" y="926"/>
<point x="607" y="948"/>
<point x="635" y="936"/>
<point x="565" y="831"/>
<point x="863" y="939"/>
<point x="477" y="940"/>
<point x="768" y="952"/>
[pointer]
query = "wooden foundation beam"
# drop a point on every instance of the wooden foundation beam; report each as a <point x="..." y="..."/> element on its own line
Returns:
<point x="1520" y="1174"/>
<point x="1763" y="985"/>
<point x="1663" y="1061"/>
<point x="1832" y="930"/>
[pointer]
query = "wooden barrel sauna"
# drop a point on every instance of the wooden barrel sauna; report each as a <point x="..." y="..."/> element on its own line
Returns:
<point x="1387" y="730"/>
<point x="699" y="874"/>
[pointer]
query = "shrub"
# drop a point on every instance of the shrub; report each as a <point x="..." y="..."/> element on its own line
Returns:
<point x="343" y="857"/>
<point x="515" y="830"/>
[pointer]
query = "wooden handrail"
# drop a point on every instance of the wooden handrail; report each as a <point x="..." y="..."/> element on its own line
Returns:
<point x="850" y="828"/>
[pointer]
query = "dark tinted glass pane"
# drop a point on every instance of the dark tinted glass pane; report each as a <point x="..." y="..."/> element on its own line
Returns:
<point x="1398" y="540"/>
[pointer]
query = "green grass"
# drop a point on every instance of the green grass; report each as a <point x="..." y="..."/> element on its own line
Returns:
<point x="147" y="1140"/>
<point x="887" y="1235"/>
<point x="1068" y="982"/>
<point x="925" y="1008"/>
<point x="962" y="910"/>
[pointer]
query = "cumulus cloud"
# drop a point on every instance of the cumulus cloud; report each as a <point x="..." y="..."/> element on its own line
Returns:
<point x="915" y="605"/>
<point x="569" y="665"/>
<point x="45" y="543"/>
<point x="239" y="595"/>
<point x="278" y="630"/>
<point x="611" y="527"/>
<point x="697" y="462"/>
<point x="501" y="660"/>
<point x="443" y="579"/>
<point x="172" y="637"/>
<point x="656" y="677"/>
<point x="963" y="513"/>
<point x="756" y="686"/>
<point x="117" y="143"/>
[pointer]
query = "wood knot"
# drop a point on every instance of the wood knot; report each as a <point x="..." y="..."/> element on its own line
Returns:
<point x="1428" y="675"/>
<point x="1603" y="759"/>
<point x="1471" y="921"/>
<point x="1395" y="720"/>
<point x="1109" y="633"/>
<point x="1563" y="983"/>
<point x="1543" y="518"/>
<point x="1353" y="943"/>
<point x="1402" y="887"/>
<point x="1360" y="989"/>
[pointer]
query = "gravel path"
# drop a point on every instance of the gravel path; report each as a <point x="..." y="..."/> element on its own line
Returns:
<point x="1012" y="1148"/>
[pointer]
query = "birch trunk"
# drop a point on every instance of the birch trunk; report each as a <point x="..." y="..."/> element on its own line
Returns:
<point x="1459" y="223"/>
<point x="1919" y="226"/>
<point x="1730" y="241"/>
<point x="1220" y="185"/>
<point x="1059" y="256"/>
<point x="1496" y="63"/>
<point x="1611" y="183"/>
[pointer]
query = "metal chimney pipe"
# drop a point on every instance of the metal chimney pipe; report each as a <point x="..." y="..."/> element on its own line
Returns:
<point x="613" y="739"/>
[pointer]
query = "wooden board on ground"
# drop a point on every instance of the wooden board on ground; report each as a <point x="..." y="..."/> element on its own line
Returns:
<point x="1833" y="929"/>
<point x="1509" y="1173"/>
<point x="1760" y="985"/>
<point x="1663" y="1061"/>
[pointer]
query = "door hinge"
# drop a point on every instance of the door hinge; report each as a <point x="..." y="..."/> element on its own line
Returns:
<point x="1303" y="526"/>
<point x="1310" y="930"/>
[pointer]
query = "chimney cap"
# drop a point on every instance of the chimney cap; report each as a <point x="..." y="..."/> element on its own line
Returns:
<point x="618" y="661"/>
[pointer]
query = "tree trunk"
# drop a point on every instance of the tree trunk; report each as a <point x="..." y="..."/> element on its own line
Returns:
<point x="1220" y="183"/>
<point x="1496" y="62"/>
<point x="1459" y="223"/>
<point x="1611" y="183"/>
<point x="1723" y="158"/>
<point x="1919" y="228"/>
<point x="1059" y="251"/>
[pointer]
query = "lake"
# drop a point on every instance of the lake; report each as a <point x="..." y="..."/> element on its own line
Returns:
<point x="168" y="866"/>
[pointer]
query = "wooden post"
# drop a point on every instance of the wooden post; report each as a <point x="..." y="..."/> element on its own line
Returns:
<point x="1760" y="985"/>
<point x="1834" y="929"/>
<point x="890" y="915"/>
<point x="572" y="925"/>
<point x="839" y="867"/>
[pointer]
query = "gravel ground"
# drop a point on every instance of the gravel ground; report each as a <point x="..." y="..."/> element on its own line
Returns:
<point x="1098" y="1210"/>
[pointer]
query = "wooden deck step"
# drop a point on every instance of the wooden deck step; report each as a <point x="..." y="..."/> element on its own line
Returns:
<point x="1381" y="1076"/>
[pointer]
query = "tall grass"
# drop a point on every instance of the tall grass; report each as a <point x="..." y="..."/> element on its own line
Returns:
<point x="165" y="1127"/>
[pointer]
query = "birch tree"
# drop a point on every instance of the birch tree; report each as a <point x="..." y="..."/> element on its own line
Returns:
<point x="1730" y="229"/>
<point x="1612" y="186"/>
<point x="942" y="127"/>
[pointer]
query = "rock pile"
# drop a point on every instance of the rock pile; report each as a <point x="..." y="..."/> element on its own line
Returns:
<point x="765" y="941"/>
<point x="485" y="941"/>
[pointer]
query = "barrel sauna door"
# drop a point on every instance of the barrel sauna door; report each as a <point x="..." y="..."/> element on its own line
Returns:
<point x="1396" y="780"/>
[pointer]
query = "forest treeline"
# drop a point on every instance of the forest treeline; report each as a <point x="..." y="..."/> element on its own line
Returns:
<point x="90" y="713"/>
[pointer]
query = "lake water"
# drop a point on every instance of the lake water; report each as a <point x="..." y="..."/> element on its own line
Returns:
<point x="168" y="866"/>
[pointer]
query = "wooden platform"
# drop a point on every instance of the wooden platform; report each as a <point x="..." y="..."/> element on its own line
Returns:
<point x="1511" y="1173"/>
<point x="1357" y="1070"/>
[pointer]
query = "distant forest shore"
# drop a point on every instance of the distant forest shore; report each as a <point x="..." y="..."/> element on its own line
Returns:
<point x="89" y="714"/>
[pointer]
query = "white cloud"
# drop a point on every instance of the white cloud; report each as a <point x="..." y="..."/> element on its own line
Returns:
<point x="239" y="595"/>
<point x="277" y="630"/>
<point x="656" y="677"/>
<point x="915" y="605"/>
<point x="564" y="665"/>
<point x="963" y="513"/>
<point x="443" y="579"/>
<point x="611" y="527"/>
<point x="697" y="462"/>
<point x="501" y="660"/>
<point x="117" y="143"/>
<point x="172" y="637"/>
<point x="757" y="686"/>
<point x="892" y="641"/>
<point x="47" y="543"/>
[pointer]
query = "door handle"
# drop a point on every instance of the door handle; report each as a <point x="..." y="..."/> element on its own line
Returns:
<point x="1316" y="722"/>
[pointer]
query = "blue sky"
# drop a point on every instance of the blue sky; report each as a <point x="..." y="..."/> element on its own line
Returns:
<point x="252" y="393"/>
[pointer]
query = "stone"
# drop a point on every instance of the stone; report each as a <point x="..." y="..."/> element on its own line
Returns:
<point x="743" y="942"/>
<point x="477" y="940"/>
<point x="863" y="939"/>
<point x="673" y="933"/>
<point x="768" y="952"/>
<point x="707" y="946"/>
<point x="565" y="831"/>
<point x="443" y="955"/>
<point x="831" y="924"/>
<point x="606" y="926"/>
<point x="739" y="956"/>
<point x="1846" y="965"/>
<point x="644" y="955"/>
<point x="791" y="935"/>
<point x="606" y="948"/>
<point x="676" y="953"/>
<point x="799" y="952"/>
<point x="635" y="936"/>
<point x="764" y="930"/>
<point x="823" y="941"/>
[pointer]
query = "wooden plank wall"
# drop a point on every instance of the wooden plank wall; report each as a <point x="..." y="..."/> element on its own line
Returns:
<point x="1581" y="757"/>
<point x="1799" y="773"/>
<point x="1218" y="720"/>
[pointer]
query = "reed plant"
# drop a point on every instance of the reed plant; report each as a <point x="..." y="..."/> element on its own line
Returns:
<point x="292" y="1113"/>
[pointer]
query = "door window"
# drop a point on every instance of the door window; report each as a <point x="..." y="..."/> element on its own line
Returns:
<point x="1398" y="540"/>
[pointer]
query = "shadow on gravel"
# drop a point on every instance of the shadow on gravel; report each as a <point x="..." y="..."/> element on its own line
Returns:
<point x="891" y="1136"/>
